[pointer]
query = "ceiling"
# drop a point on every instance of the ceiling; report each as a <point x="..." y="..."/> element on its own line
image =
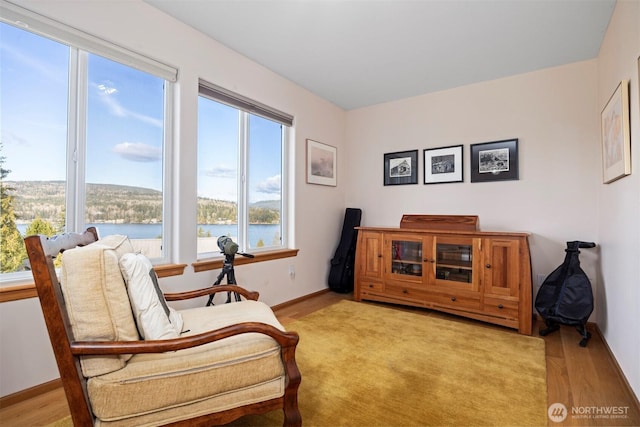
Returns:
<point x="357" y="53"/>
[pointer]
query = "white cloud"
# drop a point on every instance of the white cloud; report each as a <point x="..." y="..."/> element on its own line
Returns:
<point x="33" y="62"/>
<point x="107" y="90"/>
<point x="221" y="171"/>
<point x="270" y="185"/>
<point x="106" y="94"/>
<point x="138" y="152"/>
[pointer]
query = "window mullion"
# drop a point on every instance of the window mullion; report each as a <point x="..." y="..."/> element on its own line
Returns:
<point x="243" y="149"/>
<point x="76" y="139"/>
<point x="81" y="185"/>
<point x="168" y="228"/>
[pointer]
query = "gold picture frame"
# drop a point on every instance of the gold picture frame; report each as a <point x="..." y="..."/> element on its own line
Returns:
<point x="616" y="142"/>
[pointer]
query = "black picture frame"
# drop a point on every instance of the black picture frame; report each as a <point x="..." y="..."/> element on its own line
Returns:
<point x="401" y="168"/>
<point x="443" y="165"/>
<point x="495" y="161"/>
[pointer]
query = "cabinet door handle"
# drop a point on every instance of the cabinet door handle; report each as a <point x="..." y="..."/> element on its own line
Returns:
<point x="500" y="306"/>
<point x="453" y="298"/>
<point x="488" y="265"/>
<point x="379" y="255"/>
<point x="371" y="285"/>
<point x="404" y="291"/>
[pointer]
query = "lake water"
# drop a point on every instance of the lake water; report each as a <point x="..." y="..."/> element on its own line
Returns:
<point x="265" y="232"/>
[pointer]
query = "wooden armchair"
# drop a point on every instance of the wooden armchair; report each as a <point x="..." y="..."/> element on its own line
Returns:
<point x="227" y="361"/>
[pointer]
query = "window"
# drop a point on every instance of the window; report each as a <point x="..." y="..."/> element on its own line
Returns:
<point x="242" y="150"/>
<point x="83" y="138"/>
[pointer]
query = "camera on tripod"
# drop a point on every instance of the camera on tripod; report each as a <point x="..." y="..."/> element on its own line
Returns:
<point x="230" y="248"/>
<point x="227" y="246"/>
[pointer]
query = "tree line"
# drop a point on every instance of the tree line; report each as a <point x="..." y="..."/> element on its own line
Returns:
<point x="41" y="204"/>
<point x="119" y="203"/>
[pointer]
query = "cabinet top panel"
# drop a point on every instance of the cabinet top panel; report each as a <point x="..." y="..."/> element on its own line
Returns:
<point x="447" y="232"/>
<point x="440" y="222"/>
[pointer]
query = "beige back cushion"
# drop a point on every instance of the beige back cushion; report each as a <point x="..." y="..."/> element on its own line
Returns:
<point x="97" y="300"/>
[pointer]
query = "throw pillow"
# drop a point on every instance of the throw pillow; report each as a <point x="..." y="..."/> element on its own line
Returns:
<point x="154" y="318"/>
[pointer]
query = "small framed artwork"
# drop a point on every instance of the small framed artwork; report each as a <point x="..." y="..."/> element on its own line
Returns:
<point x="321" y="163"/>
<point x="443" y="164"/>
<point x="494" y="161"/>
<point x="616" y="143"/>
<point x="401" y="168"/>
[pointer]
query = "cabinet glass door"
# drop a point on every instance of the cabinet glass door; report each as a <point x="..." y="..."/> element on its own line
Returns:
<point x="406" y="257"/>
<point x="454" y="262"/>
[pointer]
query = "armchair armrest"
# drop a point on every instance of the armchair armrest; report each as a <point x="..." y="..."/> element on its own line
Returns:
<point x="88" y="348"/>
<point x="177" y="296"/>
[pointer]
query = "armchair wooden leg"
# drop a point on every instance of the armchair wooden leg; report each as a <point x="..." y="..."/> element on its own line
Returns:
<point x="292" y="417"/>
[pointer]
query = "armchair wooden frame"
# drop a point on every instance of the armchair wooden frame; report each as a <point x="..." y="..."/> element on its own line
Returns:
<point x="41" y="252"/>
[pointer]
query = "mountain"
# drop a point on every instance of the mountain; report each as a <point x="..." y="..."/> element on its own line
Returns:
<point x="267" y="204"/>
<point x="124" y="204"/>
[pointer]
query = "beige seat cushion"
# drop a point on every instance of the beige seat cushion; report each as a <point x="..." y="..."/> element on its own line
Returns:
<point x="97" y="300"/>
<point x="247" y="364"/>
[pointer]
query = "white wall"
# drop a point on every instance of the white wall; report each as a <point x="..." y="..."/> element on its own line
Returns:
<point x="618" y="292"/>
<point x="553" y="114"/>
<point x="25" y="354"/>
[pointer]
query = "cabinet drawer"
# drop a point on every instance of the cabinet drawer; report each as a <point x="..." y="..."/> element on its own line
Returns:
<point x="501" y="307"/>
<point x="371" y="285"/>
<point x="456" y="300"/>
<point x="406" y="292"/>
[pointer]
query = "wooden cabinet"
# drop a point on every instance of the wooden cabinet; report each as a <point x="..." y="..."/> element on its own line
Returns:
<point x="482" y="275"/>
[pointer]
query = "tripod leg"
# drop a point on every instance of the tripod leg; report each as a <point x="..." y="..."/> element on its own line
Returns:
<point x="236" y="296"/>
<point x="216" y="283"/>
<point x="231" y="280"/>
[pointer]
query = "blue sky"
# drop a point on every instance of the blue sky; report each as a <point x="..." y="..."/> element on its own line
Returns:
<point x="124" y="124"/>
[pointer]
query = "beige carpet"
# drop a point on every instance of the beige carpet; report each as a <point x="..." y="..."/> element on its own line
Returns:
<point x="370" y="365"/>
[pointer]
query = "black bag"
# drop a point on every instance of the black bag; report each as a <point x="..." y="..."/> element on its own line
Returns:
<point x="342" y="263"/>
<point x="565" y="296"/>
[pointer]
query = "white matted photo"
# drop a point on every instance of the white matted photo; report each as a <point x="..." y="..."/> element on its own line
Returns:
<point x="321" y="163"/>
<point x="443" y="165"/>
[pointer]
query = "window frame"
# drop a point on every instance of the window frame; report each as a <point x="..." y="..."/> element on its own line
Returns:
<point x="80" y="45"/>
<point x="246" y="107"/>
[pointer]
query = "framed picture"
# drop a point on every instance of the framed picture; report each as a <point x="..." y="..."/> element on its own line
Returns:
<point x="443" y="164"/>
<point x="616" y="143"/>
<point x="401" y="168"/>
<point x="494" y="161"/>
<point x="321" y="163"/>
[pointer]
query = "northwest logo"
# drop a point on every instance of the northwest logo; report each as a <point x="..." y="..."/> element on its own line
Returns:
<point x="557" y="412"/>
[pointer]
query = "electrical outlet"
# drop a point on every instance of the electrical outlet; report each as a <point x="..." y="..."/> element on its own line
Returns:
<point x="292" y="271"/>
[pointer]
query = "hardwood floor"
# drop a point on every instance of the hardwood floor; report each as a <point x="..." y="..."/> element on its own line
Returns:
<point x="585" y="380"/>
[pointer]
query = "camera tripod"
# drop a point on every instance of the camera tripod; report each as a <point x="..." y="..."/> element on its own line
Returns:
<point x="229" y="249"/>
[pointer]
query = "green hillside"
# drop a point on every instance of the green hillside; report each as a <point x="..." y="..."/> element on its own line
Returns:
<point x="126" y="204"/>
